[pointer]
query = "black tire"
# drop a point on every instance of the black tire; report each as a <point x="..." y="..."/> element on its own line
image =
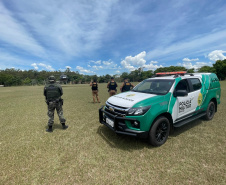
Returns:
<point x="159" y="131"/>
<point x="211" y="109"/>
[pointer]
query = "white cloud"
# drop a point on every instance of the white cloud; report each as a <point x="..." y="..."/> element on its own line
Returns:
<point x="55" y="30"/>
<point x="82" y="70"/>
<point x="107" y="63"/>
<point x="35" y="66"/>
<point x="200" y="64"/>
<point x="197" y="65"/>
<point x="96" y="62"/>
<point x="48" y="67"/>
<point x="153" y="62"/>
<point x="67" y="67"/>
<point x="15" y="34"/>
<point x="137" y="60"/>
<point x="61" y="69"/>
<point x="190" y="60"/>
<point x="97" y="67"/>
<point x="68" y="29"/>
<point x="129" y="62"/>
<point x="217" y="55"/>
<point x="197" y="45"/>
<point x="7" y="60"/>
<point x="151" y="66"/>
<point x="132" y="63"/>
<point x="127" y="65"/>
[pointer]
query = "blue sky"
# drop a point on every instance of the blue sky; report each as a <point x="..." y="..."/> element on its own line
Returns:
<point x="111" y="36"/>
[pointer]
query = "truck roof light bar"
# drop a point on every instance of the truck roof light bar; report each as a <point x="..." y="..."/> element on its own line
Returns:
<point x="172" y="73"/>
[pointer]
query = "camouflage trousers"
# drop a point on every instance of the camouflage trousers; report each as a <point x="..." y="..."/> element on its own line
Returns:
<point x="51" y="109"/>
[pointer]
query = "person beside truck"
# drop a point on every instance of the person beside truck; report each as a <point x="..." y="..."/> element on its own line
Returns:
<point x="112" y="85"/>
<point x="126" y="86"/>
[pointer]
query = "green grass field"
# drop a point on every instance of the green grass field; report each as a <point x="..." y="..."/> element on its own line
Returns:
<point x="89" y="153"/>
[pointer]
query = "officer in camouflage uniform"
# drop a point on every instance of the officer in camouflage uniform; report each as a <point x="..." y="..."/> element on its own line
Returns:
<point x="53" y="93"/>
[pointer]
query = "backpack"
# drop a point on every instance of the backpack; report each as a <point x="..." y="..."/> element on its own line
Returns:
<point x="126" y="87"/>
<point x="112" y="86"/>
<point x="94" y="86"/>
<point x="52" y="92"/>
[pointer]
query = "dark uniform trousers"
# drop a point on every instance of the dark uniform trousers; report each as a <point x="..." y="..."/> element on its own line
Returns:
<point x="51" y="109"/>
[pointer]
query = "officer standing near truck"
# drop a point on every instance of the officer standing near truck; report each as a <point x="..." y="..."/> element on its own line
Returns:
<point x="53" y="93"/>
<point x="112" y="85"/>
<point x="94" y="87"/>
<point x="126" y="86"/>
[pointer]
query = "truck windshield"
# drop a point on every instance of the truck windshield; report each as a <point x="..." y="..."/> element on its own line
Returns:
<point x="154" y="86"/>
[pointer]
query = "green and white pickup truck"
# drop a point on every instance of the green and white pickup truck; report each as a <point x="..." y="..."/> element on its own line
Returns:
<point x="158" y="104"/>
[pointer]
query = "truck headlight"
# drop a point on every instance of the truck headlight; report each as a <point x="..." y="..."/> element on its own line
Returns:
<point x="138" y="111"/>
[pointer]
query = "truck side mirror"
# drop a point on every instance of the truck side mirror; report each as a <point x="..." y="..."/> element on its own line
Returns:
<point x="180" y="93"/>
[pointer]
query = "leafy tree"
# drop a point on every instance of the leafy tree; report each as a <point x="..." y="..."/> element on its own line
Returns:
<point x="135" y="76"/>
<point x="94" y="77"/>
<point x="207" y="69"/>
<point x="170" y="69"/>
<point x="192" y="70"/>
<point x="220" y="67"/>
<point x="9" y="77"/>
<point x="101" y="79"/>
<point x="107" y="78"/>
<point x="3" y="78"/>
<point x="124" y="75"/>
<point x="146" y="74"/>
<point x="27" y="81"/>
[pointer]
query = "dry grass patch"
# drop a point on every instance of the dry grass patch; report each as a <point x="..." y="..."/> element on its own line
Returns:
<point x="89" y="153"/>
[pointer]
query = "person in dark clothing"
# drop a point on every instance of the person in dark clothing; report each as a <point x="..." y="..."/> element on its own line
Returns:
<point x="126" y="86"/>
<point x="53" y="93"/>
<point x="112" y="85"/>
<point x="94" y="87"/>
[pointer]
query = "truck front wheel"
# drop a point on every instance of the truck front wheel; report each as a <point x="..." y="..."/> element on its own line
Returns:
<point x="159" y="131"/>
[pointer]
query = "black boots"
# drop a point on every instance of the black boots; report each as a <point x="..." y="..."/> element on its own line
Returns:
<point x="50" y="129"/>
<point x="64" y="126"/>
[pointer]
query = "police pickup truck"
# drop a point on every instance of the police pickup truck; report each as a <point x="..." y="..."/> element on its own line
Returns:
<point x="158" y="104"/>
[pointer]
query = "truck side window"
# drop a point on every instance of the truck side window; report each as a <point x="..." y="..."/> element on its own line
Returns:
<point x="182" y="85"/>
<point x="196" y="84"/>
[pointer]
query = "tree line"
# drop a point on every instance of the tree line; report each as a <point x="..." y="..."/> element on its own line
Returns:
<point x="17" y="77"/>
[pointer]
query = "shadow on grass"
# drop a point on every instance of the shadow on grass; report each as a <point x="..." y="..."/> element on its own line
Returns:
<point x="125" y="142"/>
<point x="179" y="130"/>
<point x="120" y="141"/>
<point x="98" y="103"/>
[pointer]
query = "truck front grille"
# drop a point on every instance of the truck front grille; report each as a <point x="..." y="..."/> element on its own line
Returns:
<point x="116" y="110"/>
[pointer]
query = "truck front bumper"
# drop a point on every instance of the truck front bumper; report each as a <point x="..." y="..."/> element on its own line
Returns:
<point x="118" y="124"/>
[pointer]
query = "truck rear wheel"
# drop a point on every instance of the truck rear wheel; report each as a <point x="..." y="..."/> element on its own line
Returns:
<point x="211" y="109"/>
<point x="159" y="131"/>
